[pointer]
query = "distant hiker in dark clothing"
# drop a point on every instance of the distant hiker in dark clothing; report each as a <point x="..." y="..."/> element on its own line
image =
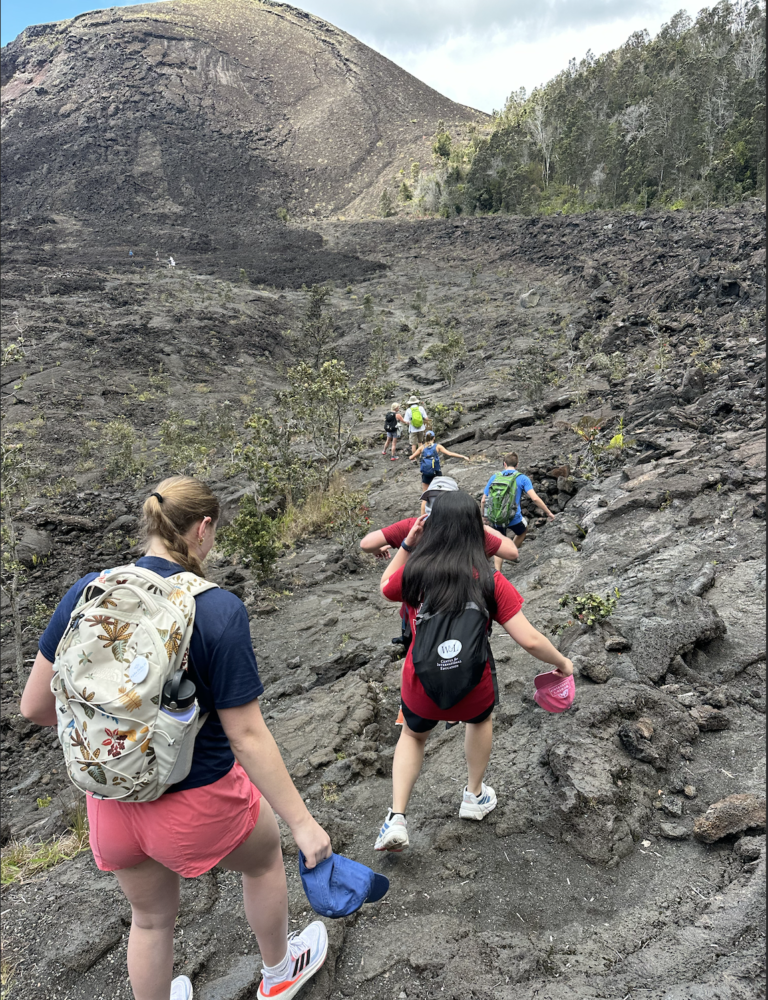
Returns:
<point x="500" y="503"/>
<point x="390" y="428"/>
<point x="430" y="458"/>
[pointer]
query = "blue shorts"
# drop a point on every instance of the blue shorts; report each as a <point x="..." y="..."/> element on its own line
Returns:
<point x="391" y="435"/>
<point x="519" y="528"/>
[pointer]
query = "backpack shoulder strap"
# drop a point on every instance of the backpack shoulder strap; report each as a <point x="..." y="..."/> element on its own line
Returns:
<point x="192" y="583"/>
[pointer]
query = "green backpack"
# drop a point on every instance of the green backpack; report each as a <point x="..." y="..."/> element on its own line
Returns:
<point x="501" y="496"/>
<point x="417" y="420"/>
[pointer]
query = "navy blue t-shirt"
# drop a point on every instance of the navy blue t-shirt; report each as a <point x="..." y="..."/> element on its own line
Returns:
<point x="221" y="664"/>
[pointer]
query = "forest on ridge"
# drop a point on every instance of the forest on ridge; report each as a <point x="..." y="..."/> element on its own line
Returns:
<point x="677" y="121"/>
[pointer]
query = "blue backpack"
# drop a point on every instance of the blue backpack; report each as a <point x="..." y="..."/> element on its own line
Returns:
<point x="430" y="460"/>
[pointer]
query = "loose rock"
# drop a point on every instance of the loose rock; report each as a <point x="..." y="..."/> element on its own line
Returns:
<point x="729" y="816"/>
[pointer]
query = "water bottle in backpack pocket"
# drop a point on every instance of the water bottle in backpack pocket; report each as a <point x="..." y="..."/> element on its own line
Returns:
<point x="430" y="460"/>
<point x="450" y="652"/>
<point x="177" y="720"/>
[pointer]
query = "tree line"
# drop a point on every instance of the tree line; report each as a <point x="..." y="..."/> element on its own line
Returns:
<point x="677" y="120"/>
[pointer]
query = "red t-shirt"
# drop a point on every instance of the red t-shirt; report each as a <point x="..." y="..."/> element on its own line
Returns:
<point x="397" y="533"/>
<point x="480" y="698"/>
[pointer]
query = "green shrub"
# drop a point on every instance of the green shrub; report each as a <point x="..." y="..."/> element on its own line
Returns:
<point x="386" y="207"/>
<point x="253" y="536"/>
<point x="589" y="609"/>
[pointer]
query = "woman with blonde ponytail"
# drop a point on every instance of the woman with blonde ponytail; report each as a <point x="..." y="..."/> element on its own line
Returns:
<point x="221" y="813"/>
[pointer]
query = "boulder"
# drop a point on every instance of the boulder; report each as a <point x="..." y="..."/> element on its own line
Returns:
<point x="674" y="831"/>
<point x="559" y="471"/>
<point x="657" y="641"/>
<point x="636" y="739"/>
<point x="694" y="385"/>
<point x="529" y="299"/>
<point x="730" y="815"/>
<point x="236" y="985"/>
<point x="615" y="643"/>
<point x="33" y="547"/>
<point x="598" y="814"/>
<point x="749" y="848"/>
<point x="708" y="718"/>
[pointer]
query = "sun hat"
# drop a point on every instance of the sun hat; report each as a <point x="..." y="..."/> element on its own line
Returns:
<point x="554" y="693"/>
<point x="412" y="400"/>
<point x="440" y="484"/>
<point x="338" y="886"/>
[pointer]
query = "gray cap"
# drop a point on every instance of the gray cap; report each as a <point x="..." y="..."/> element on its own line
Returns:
<point x="440" y="484"/>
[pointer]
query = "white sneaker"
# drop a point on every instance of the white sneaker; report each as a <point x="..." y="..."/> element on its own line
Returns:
<point x="393" y="835"/>
<point x="307" y="952"/>
<point x="181" y="989"/>
<point x="478" y="806"/>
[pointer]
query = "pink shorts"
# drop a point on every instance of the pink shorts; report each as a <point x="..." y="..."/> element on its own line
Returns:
<point x="188" y="832"/>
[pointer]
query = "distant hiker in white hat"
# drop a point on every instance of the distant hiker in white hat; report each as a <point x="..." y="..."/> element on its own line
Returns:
<point x="416" y="418"/>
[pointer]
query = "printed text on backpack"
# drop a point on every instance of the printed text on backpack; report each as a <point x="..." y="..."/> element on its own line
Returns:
<point x="450" y="653"/>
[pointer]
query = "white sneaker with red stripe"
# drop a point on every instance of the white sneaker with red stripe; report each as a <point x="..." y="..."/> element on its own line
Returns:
<point x="306" y="953"/>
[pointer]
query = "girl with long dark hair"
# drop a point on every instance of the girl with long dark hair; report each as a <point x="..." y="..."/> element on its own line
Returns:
<point x="442" y="574"/>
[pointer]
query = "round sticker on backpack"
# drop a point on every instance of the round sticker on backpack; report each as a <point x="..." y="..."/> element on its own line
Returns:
<point x="449" y="648"/>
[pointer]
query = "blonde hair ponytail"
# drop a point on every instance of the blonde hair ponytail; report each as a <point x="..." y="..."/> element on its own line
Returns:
<point x="168" y="514"/>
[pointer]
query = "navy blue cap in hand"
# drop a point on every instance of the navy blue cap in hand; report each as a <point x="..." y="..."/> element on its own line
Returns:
<point x="339" y="886"/>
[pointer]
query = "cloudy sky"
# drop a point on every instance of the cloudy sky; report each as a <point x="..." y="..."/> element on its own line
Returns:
<point x="474" y="51"/>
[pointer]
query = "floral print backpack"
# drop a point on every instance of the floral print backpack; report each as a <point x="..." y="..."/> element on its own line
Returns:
<point x="127" y="636"/>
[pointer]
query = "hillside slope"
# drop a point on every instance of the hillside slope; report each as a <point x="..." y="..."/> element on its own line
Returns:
<point x="208" y="115"/>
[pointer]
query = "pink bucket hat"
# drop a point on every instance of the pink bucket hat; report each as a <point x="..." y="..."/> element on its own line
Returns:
<point x="554" y="693"/>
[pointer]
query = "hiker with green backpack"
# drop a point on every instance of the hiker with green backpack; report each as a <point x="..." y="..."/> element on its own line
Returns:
<point x="416" y="419"/>
<point x="500" y="502"/>
<point x="149" y="673"/>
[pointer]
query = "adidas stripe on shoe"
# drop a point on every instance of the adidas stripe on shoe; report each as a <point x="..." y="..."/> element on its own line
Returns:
<point x="478" y="806"/>
<point x="306" y="954"/>
<point x="393" y="835"/>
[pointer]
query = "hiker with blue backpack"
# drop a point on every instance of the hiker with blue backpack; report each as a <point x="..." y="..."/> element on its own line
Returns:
<point x="451" y="597"/>
<point x="430" y="453"/>
<point x="149" y="673"/>
<point x="500" y="502"/>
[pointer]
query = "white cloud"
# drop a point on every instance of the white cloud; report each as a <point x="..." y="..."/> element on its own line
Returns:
<point x="478" y="51"/>
<point x="423" y="24"/>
